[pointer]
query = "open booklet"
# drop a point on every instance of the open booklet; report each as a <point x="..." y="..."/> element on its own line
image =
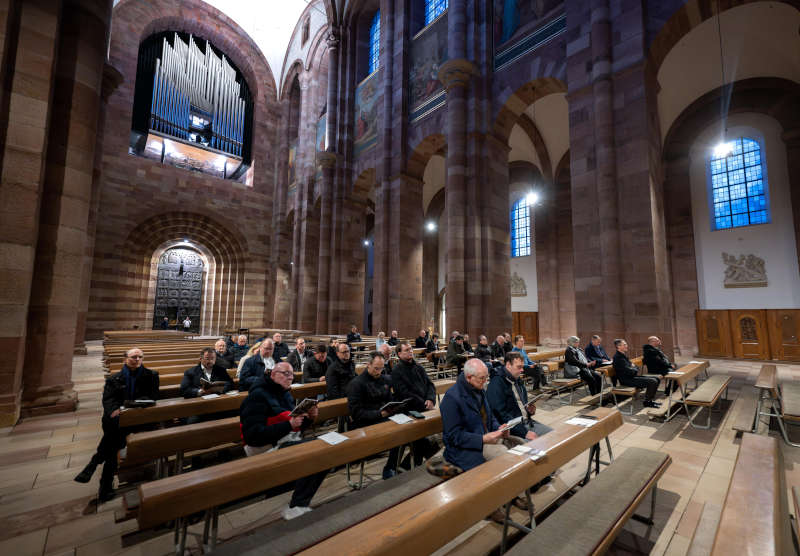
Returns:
<point x="511" y="424"/>
<point x="139" y="403"/>
<point x="303" y="407"/>
<point x="212" y="387"/>
<point x="394" y="407"/>
<point x="539" y="397"/>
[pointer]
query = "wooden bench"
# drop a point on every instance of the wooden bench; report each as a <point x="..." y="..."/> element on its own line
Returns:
<point x="755" y="518"/>
<point x="429" y="520"/>
<point x="789" y="408"/>
<point x="706" y="396"/>
<point x="616" y="492"/>
<point x="619" y="390"/>
<point x="606" y="386"/>
<point x="745" y="410"/>
<point x="681" y="378"/>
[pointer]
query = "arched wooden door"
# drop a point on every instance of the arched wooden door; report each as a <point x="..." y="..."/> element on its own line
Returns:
<point x="714" y="333"/>
<point x="750" y="339"/>
<point x="784" y="333"/>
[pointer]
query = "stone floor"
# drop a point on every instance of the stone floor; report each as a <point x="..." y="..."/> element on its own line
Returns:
<point x="43" y="511"/>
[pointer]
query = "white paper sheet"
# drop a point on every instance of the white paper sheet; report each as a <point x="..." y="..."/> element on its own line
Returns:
<point x="333" y="438"/>
<point x="232" y="392"/>
<point x="401" y="418"/>
<point x="581" y="421"/>
<point x="210" y="396"/>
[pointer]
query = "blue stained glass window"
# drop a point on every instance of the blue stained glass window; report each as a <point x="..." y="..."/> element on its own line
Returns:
<point x="738" y="186"/>
<point x="375" y="42"/>
<point x="521" y="229"/>
<point x="433" y="9"/>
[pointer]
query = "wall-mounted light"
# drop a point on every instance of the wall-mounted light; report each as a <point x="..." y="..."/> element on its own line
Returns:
<point x="722" y="150"/>
<point x="366" y="243"/>
<point x="532" y="198"/>
<point x="431" y="226"/>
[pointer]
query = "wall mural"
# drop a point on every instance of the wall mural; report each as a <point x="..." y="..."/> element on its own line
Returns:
<point x="179" y="288"/>
<point x="748" y="271"/>
<point x="428" y="53"/>
<point x="513" y="19"/>
<point x="293" y="162"/>
<point x="321" y="146"/>
<point x="518" y="287"/>
<point x="366" y="115"/>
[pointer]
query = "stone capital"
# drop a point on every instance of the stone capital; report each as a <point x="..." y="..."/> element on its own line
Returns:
<point x="457" y="73"/>
<point x="112" y="78"/>
<point x="333" y="38"/>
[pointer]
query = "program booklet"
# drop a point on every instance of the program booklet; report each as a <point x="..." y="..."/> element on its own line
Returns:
<point x="511" y="424"/>
<point x="393" y="407"/>
<point x="303" y="407"/>
<point x="212" y="387"/>
<point x="139" y="403"/>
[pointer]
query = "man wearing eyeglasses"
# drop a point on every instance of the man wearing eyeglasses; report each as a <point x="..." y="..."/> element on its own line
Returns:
<point x="257" y="365"/>
<point x="133" y="382"/>
<point x="340" y="372"/>
<point x="267" y="423"/>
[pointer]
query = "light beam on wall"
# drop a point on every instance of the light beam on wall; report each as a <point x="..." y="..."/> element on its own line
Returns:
<point x="532" y="198"/>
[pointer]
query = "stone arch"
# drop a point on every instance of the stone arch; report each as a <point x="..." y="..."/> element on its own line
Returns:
<point x="514" y="106"/>
<point x="775" y="97"/>
<point x="422" y="153"/>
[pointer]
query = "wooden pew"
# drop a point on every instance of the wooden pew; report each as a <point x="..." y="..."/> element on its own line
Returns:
<point x="789" y="408"/>
<point x="430" y="520"/>
<point x="706" y="396"/>
<point x="177" y="496"/>
<point x="746" y="409"/>
<point x="755" y="518"/>
<point x="608" y="373"/>
<point x="681" y="377"/>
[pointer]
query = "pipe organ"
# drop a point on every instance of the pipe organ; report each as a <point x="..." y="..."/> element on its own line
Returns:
<point x="188" y="91"/>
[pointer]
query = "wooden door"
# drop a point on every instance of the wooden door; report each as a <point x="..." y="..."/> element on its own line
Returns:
<point x="750" y="339"/>
<point x="527" y="324"/>
<point x="713" y="333"/>
<point x="783" y="326"/>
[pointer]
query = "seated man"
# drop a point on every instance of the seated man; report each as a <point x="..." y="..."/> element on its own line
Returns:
<point x="576" y="365"/>
<point x="508" y="345"/>
<point x="628" y="374"/>
<point x="393" y="339"/>
<point x="297" y="357"/>
<point x="133" y="382"/>
<point x="191" y="384"/>
<point x="315" y="367"/>
<point x="467" y="345"/>
<point x="256" y="365"/>
<point x="266" y="423"/>
<point x="432" y="344"/>
<point x="531" y="369"/>
<point x="224" y="355"/>
<point x="498" y="349"/>
<point x="367" y="393"/>
<point x="353" y="335"/>
<point x="421" y="340"/>
<point x="595" y="352"/>
<point x="508" y="399"/>
<point x="340" y="372"/>
<point x="657" y="362"/>
<point x="386" y="351"/>
<point x="240" y="349"/>
<point x="281" y="348"/>
<point x="456" y="354"/>
<point x="332" y="350"/>
<point x="482" y="351"/>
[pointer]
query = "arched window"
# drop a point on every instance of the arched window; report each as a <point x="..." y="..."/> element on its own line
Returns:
<point x="738" y="185"/>
<point x="375" y="42"/>
<point x="433" y="9"/>
<point x="521" y="228"/>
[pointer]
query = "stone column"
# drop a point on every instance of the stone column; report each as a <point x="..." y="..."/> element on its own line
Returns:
<point x="64" y="216"/>
<point x="792" y="139"/>
<point x="280" y="269"/>
<point x="26" y="105"/>
<point x="328" y="162"/>
<point x="455" y="74"/>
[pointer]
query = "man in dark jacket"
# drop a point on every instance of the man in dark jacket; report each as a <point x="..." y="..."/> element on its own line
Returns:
<point x="657" y="361"/>
<point x="432" y="344"/>
<point x="467" y="345"/>
<point x="507" y="345"/>
<point x="353" y="335"/>
<point x="315" y="367"/>
<point x="469" y="427"/>
<point x="595" y="352"/>
<point x="483" y="351"/>
<point x="576" y="365"/>
<point x="340" y="372"/>
<point x="239" y="350"/>
<point x="281" y="348"/>
<point x="498" y="347"/>
<point x="421" y="340"/>
<point x="224" y="355"/>
<point x="297" y="357"/>
<point x="508" y="399"/>
<point x="133" y="382"/>
<point x="456" y="354"/>
<point x="257" y="365"/>
<point x="191" y="384"/>
<point x="266" y="422"/>
<point x="628" y="374"/>
<point x="393" y="339"/>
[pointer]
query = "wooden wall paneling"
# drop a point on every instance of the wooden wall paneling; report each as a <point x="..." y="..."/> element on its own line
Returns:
<point x="783" y="326"/>
<point x="713" y="333"/>
<point x="527" y="324"/>
<point x="749" y="333"/>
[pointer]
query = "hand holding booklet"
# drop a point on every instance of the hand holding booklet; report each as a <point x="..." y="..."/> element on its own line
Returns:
<point x="394" y="407"/>
<point x="511" y="424"/>
<point x="139" y="403"/>
<point x="212" y="387"/>
<point x="303" y="407"/>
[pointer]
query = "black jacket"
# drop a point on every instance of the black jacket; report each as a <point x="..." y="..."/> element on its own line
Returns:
<point x="281" y="350"/>
<point x="624" y="369"/>
<point x="253" y="369"/>
<point x="498" y="351"/>
<point x="392" y="341"/>
<point x="504" y="406"/>
<point x="409" y="380"/>
<point x="313" y="370"/>
<point x="294" y="359"/>
<point x="353" y="337"/>
<point x="331" y="354"/>
<point x="508" y="346"/>
<point x="115" y="390"/>
<point x="572" y="359"/>
<point x="190" y="383"/>
<point x="431" y="346"/>
<point x="655" y="360"/>
<point x="365" y="397"/>
<point x="225" y="360"/>
<point x="264" y="414"/>
<point x="239" y="351"/>
<point x="467" y="347"/>
<point x="484" y="353"/>
<point x="420" y="342"/>
<point x="338" y="376"/>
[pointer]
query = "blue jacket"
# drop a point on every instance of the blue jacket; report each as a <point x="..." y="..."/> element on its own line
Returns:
<point x="253" y="369"/>
<point x="463" y="425"/>
<point x="525" y="359"/>
<point x="596" y="354"/>
<point x="502" y="402"/>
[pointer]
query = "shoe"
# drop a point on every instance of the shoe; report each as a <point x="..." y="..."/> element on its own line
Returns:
<point x="546" y="480"/>
<point x="291" y="512"/>
<point x="105" y="495"/>
<point x="521" y="503"/>
<point x="498" y="516"/>
<point x="388" y="473"/>
<point x="654" y="405"/>
<point x="86" y="475"/>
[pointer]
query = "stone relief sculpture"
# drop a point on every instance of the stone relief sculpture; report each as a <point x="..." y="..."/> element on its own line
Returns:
<point x="747" y="271"/>
<point x="518" y="287"/>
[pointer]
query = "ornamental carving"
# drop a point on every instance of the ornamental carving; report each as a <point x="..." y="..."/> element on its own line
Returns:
<point x="456" y="73"/>
<point x="518" y="287"/>
<point x="746" y="271"/>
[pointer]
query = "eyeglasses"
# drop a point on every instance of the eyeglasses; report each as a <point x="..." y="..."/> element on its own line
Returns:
<point x="136" y="357"/>
<point x="481" y="378"/>
<point x="284" y="373"/>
